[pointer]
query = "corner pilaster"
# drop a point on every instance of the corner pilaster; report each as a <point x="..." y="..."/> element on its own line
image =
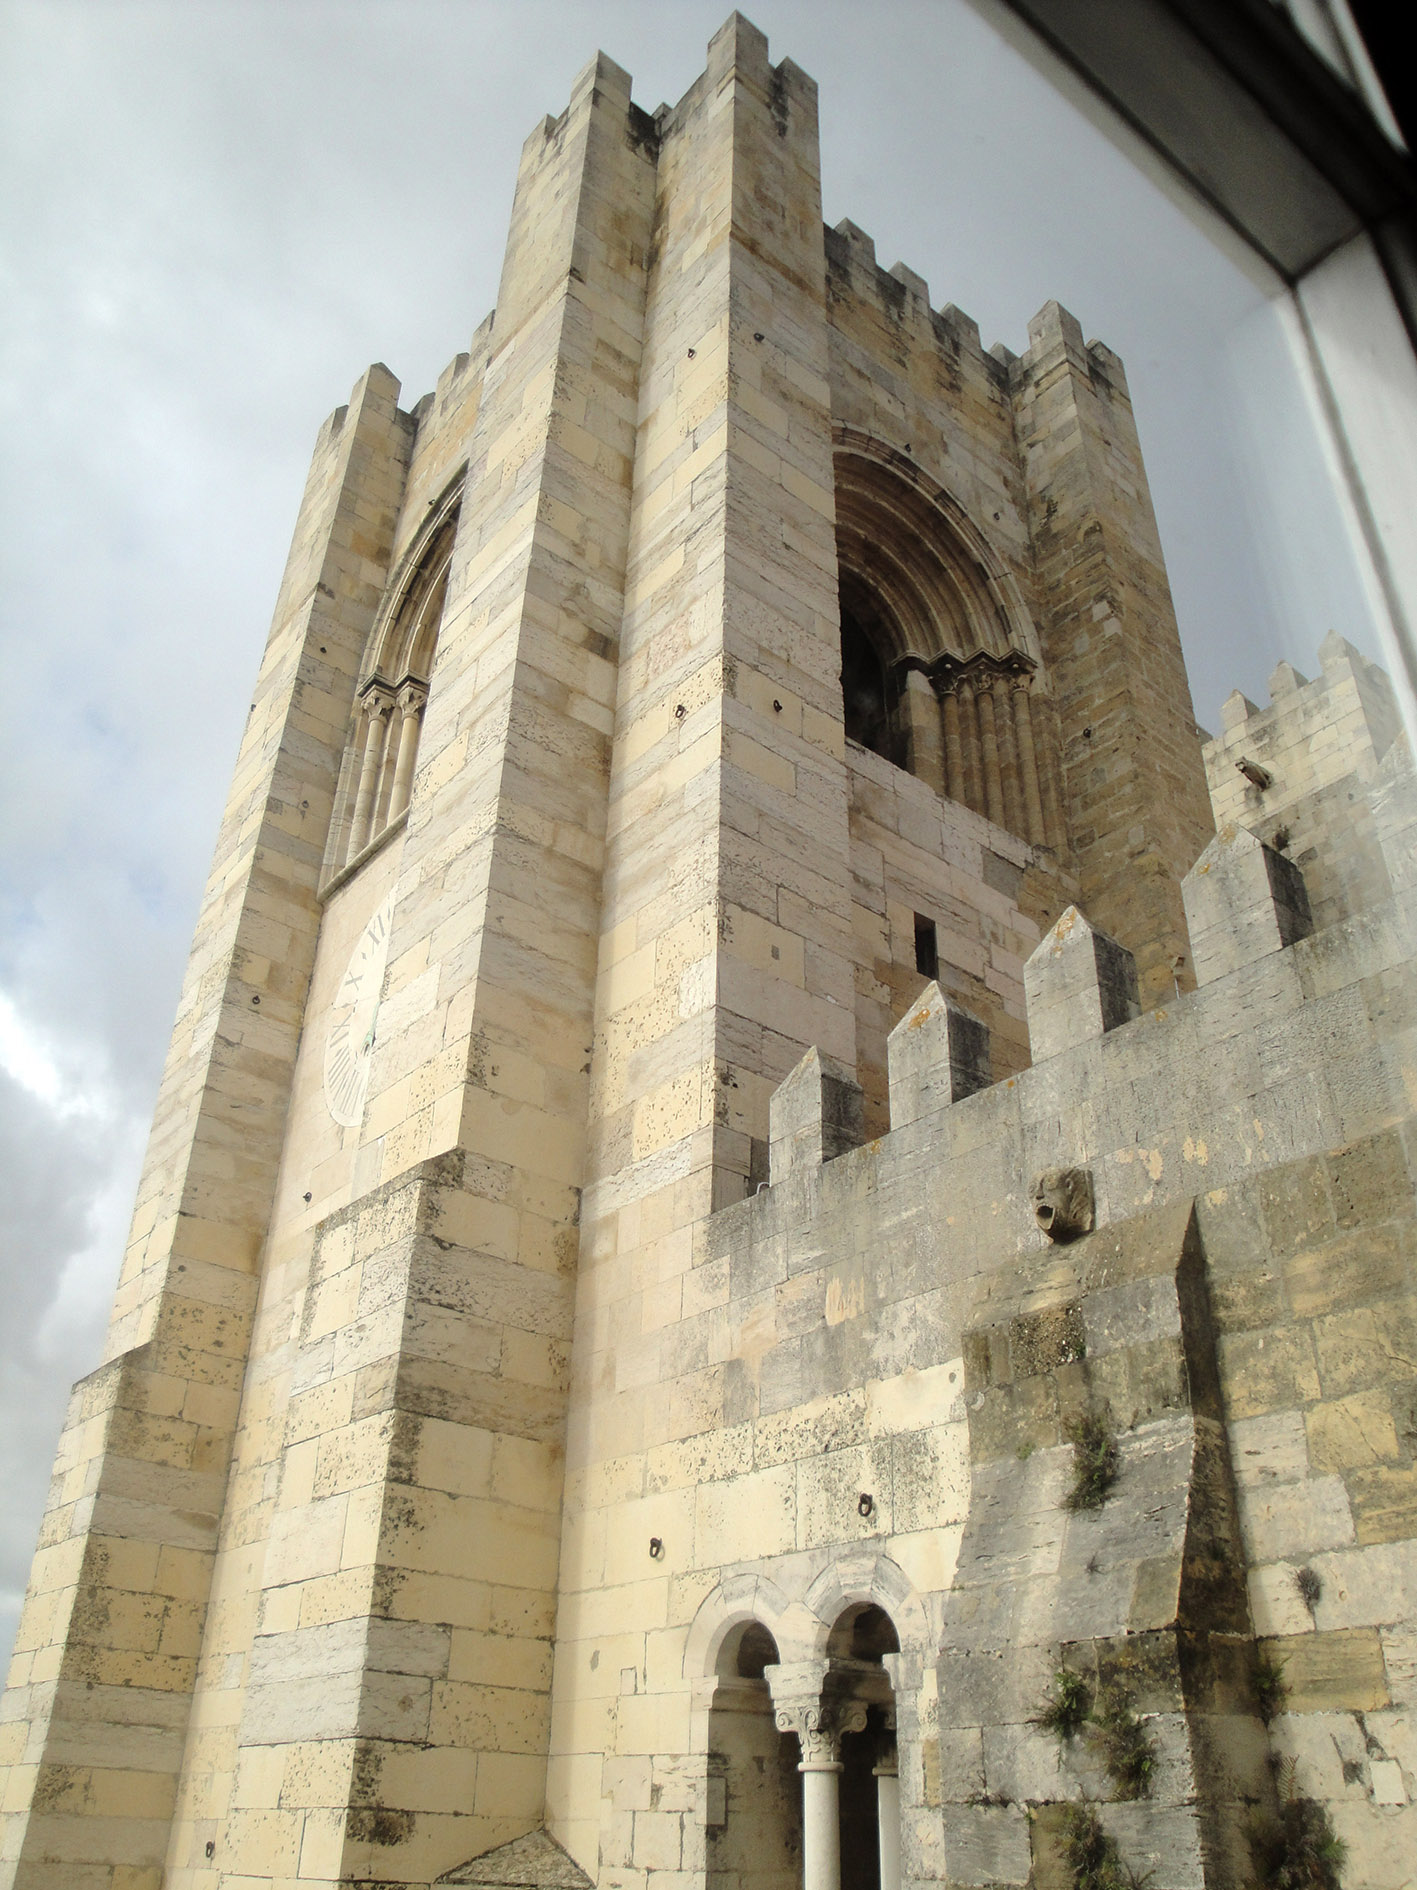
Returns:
<point x="1136" y="806"/>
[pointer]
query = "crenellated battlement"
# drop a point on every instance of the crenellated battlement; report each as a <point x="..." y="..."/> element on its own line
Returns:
<point x="1140" y="1096"/>
<point x="1299" y="773"/>
<point x="903" y="297"/>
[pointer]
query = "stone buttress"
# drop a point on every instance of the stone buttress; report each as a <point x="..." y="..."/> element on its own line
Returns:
<point x="393" y="1713"/>
<point x="113" y="1623"/>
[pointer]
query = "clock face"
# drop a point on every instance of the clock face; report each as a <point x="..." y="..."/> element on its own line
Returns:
<point x="349" y="1046"/>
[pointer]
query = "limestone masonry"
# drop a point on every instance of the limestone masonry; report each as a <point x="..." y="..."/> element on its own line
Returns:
<point x="769" y="1257"/>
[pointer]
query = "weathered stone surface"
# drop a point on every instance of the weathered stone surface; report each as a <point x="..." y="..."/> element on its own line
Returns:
<point x="1331" y="1672"/>
<point x="1323" y="744"/>
<point x="814" y="1116"/>
<point x="988" y="1844"/>
<point x="533" y="1862"/>
<point x="1080" y="984"/>
<point x="1243" y="900"/>
<point x="937" y="1055"/>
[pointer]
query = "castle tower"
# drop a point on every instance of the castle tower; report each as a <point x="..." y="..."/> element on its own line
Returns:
<point x="711" y="833"/>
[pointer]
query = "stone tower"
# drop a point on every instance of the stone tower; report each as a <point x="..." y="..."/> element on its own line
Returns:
<point x="587" y="1335"/>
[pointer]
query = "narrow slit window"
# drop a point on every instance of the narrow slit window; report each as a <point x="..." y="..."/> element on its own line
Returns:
<point x="927" y="947"/>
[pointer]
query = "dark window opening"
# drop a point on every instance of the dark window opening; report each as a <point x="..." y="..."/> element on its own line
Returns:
<point x="927" y="947"/>
<point x="864" y="1632"/>
<point x="868" y="698"/>
<point x="859" y="1812"/>
<point x="756" y="1650"/>
<point x="863" y="690"/>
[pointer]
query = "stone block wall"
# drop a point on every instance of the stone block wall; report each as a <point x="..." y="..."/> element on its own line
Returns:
<point x="841" y="1304"/>
<point x="1136" y="805"/>
<point x="988" y="895"/>
<point x="1131" y="1594"/>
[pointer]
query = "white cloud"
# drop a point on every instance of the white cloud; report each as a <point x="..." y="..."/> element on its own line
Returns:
<point x="32" y="1065"/>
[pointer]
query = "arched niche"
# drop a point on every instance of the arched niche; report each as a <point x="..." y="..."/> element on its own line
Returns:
<point x="941" y="588"/>
<point x="867" y="1787"/>
<point x="406" y="633"/>
<point x="863" y="1631"/>
<point x="382" y="751"/>
<point x="939" y="656"/>
<point x="753" y="1818"/>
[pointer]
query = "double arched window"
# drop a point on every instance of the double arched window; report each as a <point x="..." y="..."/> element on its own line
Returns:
<point x="803" y="1781"/>
<point x="377" y="777"/>
<point x="939" y="659"/>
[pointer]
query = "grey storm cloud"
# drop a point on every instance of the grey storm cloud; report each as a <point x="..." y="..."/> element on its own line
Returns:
<point x="214" y="216"/>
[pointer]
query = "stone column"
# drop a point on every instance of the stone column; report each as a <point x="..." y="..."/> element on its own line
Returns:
<point x="1028" y="760"/>
<point x="1014" y="817"/>
<point x="886" y="1772"/>
<point x="377" y="706"/>
<point x="922" y="717"/>
<point x="989" y="750"/>
<point x="819" y="1727"/>
<point x="818" y="1724"/>
<point x="1055" y="827"/>
<point x="821" y="1811"/>
<point x="973" y="771"/>
<point x="412" y="697"/>
<point x="954" y="752"/>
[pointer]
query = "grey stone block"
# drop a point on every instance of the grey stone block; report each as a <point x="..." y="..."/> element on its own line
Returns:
<point x="1078" y="984"/>
<point x="1243" y="900"/>
<point x="987" y="1844"/>
<point x="815" y="1115"/>
<point x="937" y="1055"/>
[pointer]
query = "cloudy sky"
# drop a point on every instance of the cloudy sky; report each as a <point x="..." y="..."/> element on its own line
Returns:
<point x="213" y="215"/>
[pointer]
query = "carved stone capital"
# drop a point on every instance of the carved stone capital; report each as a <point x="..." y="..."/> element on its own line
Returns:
<point x="819" y="1725"/>
<point x="412" y="697"/>
<point x="809" y="1719"/>
<point x="376" y="701"/>
<point x="820" y="1752"/>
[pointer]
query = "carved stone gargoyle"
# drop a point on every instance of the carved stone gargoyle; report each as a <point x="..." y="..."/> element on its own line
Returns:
<point x="1062" y="1202"/>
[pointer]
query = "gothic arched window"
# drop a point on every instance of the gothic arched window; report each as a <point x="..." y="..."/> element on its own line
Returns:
<point x="377" y="778"/>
